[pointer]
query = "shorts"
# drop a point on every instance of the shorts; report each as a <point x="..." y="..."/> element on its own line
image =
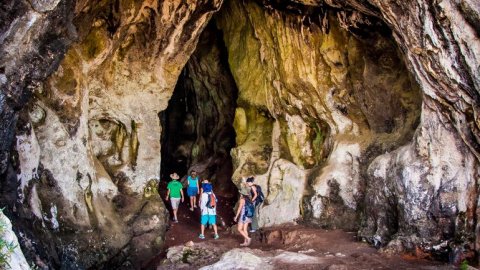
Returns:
<point x="244" y="219"/>
<point x="192" y="191"/>
<point x="210" y="219"/>
<point x="175" y="202"/>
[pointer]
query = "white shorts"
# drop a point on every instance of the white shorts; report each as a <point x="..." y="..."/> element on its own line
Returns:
<point x="175" y="202"/>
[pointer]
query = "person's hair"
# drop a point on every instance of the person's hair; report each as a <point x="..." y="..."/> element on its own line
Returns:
<point x="244" y="196"/>
<point x="250" y="179"/>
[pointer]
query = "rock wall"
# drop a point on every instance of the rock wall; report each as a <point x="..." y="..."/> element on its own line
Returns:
<point x="316" y="104"/>
<point x="434" y="178"/>
<point x="87" y="154"/>
<point x="26" y="63"/>
<point x="14" y="258"/>
<point x="341" y="72"/>
<point x="352" y="114"/>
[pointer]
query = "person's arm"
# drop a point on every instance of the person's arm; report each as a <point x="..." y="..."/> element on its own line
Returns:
<point x="168" y="193"/>
<point x="239" y="210"/>
<point x="198" y="186"/>
<point x="181" y="193"/>
<point x="254" y="188"/>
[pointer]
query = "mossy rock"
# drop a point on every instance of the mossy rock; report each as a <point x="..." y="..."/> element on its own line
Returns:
<point x="94" y="43"/>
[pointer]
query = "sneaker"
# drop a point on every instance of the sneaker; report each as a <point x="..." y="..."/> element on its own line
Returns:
<point x="252" y="230"/>
<point x="201" y="236"/>
<point x="175" y="220"/>
<point x="216" y="236"/>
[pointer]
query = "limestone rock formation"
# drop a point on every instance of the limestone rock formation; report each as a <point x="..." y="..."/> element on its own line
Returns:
<point x="31" y="48"/>
<point x="334" y="79"/>
<point x="14" y="259"/>
<point x="356" y="114"/>
<point x="433" y="179"/>
<point x="332" y="100"/>
<point x="88" y="143"/>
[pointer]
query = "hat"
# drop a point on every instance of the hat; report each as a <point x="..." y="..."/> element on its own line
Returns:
<point x="250" y="179"/>
<point x="207" y="187"/>
<point x="174" y="176"/>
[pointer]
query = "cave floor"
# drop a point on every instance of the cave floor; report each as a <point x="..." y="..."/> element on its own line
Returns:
<point x="336" y="249"/>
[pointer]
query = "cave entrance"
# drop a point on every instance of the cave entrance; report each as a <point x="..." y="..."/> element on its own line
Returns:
<point x="197" y="125"/>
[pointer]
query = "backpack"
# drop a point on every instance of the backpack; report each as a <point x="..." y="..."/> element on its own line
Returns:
<point x="249" y="208"/>
<point x="260" y="197"/>
<point x="212" y="200"/>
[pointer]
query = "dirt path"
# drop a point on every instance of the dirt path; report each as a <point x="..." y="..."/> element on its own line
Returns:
<point x="188" y="226"/>
<point x="337" y="249"/>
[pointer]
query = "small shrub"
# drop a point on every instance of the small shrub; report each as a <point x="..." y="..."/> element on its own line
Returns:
<point x="6" y="248"/>
<point x="464" y="265"/>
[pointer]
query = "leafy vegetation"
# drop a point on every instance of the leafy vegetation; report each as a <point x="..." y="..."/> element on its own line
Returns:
<point x="464" y="265"/>
<point x="6" y="247"/>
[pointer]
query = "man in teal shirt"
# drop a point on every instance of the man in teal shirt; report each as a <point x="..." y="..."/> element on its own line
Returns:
<point x="174" y="193"/>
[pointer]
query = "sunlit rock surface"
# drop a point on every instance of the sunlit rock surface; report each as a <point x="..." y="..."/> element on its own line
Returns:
<point x="340" y="78"/>
<point x="318" y="100"/>
<point x="360" y="115"/>
<point x="88" y="143"/>
<point x="429" y="196"/>
<point x="14" y="258"/>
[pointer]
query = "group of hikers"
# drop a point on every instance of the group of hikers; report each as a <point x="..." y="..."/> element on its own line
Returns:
<point x="250" y="198"/>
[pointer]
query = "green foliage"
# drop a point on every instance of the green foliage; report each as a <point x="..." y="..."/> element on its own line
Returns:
<point x="6" y="248"/>
<point x="464" y="265"/>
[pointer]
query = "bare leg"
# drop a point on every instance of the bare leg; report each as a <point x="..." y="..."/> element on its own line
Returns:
<point x="202" y="228"/>
<point x="240" y="230"/>
<point x="175" y="214"/>
<point x="249" y="240"/>
<point x="245" y="230"/>
<point x="195" y="201"/>
<point x="192" y="199"/>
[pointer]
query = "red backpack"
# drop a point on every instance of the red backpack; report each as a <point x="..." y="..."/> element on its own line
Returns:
<point x="212" y="200"/>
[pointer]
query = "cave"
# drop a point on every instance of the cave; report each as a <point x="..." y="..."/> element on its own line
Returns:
<point x="355" y="117"/>
<point x="197" y="126"/>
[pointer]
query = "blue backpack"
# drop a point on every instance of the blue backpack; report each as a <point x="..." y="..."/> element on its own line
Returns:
<point x="249" y="208"/>
<point x="260" y="197"/>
